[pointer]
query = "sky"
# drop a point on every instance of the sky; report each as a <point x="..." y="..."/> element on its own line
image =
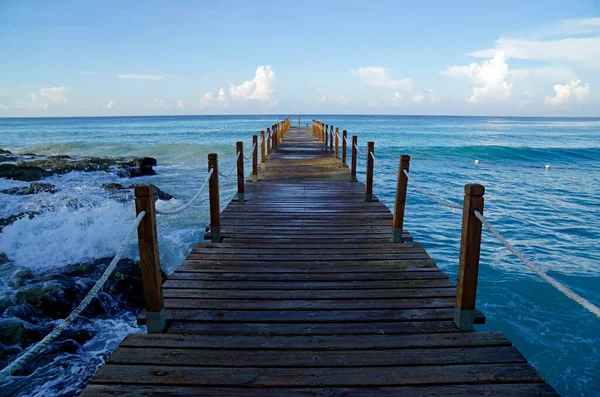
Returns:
<point x="111" y="58"/>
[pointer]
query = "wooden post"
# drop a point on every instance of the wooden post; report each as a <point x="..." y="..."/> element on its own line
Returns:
<point x="401" y="187"/>
<point x="326" y="136"/>
<point x="337" y="142"/>
<point x="240" y="171"/>
<point x="322" y="134"/>
<point x="213" y="195"/>
<point x="268" y="138"/>
<point x="353" y="160"/>
<point x="262" y="149"/>
<point x="150" y="261"/>
<point x="468" y="265"/>
<point x="331" y="139"/>
<point x="273" y="137"/>
<point x="344" y="138"/>
<point x="255" y="159"/>
<point x="369" y="190"/>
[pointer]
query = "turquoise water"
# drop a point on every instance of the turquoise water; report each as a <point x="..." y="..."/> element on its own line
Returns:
<point x="551" y="215"/>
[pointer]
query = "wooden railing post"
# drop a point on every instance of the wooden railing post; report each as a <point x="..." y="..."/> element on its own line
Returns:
<point x="401" y="187"/>
<point x="344" y="138"/>
<point x="468" y="265"/>
<point x="240" y="171"/>
<point x="273" y="137"/>
<point x="331" y="139"/>
<point x="213" y="195"/>
<point x="150" y="260"/>
<point x="322" y="134"/>
<point x="268" y="139"/>
<point x="337" y="142"/>
<point x="353" y="159"/>
<point x="326" y="136"/>
<point x="255" y="159"/>
<point x="262" y="149"/>
<point x="369" y="189"/>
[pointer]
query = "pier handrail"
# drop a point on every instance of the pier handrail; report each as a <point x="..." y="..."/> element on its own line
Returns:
<point x="467" y="238"/>
<point x="186" y="205"/>
<point x="55" y="333"/>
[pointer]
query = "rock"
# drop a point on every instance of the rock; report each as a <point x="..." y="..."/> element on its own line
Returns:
<point x="21" y="276"/>
<point x="5" y="156"/>
<point x="3" y="258"/>
<point x="51" y="299"/>
<point x="158" y="194"/>
<point x="13" y="218"/>
<point x="113" y="186"/>
<point x="55" y="165"/>
<point x="11" y="331"/>
<point x="33" y="188"/>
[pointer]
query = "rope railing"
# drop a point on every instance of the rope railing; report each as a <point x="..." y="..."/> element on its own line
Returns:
<point x="380" y="167"/>
<point x="251" y="153"/>
<point x="552" y="281"/>
<point x="234" y="166"/>
<point x="64" y="324"/>
<point x="185" y="206"/>
<point x="429" y="196"/>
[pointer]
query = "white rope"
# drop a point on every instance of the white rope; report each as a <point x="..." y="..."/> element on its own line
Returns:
<point x="556" y="284"/>
<point x="429" y="196"/>
<point x="41" y="345"/>
<point x="380" y="167"/>
<point x="183" y="207"/>
<point x="357" y="149"/>
<point x="251" y="152"/>
<point x="217" y="130"/>
<point x="233" y="167"/>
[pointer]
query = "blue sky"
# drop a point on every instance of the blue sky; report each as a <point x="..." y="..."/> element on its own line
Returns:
<point x="516" y="58"/>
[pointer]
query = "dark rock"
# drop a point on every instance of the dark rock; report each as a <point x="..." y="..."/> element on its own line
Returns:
<point x="113" y="186"/>
<point x="11" y="331"/>
<point x="3" y="258"/>
<point x="53" y="165"/>
<point x="158" y="194"/>
<point x="2" y="151"/>
<point x="21" y="276"/>
<point x="33" y="188"/>
<point x="68" y="346"/>
<point x="5" y="156"/>
<point x="13" y="218"/>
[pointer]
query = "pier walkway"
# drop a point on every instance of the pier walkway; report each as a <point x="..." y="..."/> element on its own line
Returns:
<point x="307" y="295"/>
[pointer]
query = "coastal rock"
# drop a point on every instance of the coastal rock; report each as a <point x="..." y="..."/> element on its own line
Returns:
<point x="34" y="170"/>
<point x="158" y="193"/>
<point x="33" y="188"/>
<point x="5" y="156"/>
<point x="13" y="218"/>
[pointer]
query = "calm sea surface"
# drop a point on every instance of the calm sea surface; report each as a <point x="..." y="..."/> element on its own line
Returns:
<point x="551" y="215"/>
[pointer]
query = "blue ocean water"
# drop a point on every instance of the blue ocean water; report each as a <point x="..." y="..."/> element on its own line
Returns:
<point x="552" y="215"/>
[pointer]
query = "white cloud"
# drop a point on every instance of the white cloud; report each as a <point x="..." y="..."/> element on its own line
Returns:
<point x="141" y="76"/>
<point x="111" y="104"/>
<point x="584" y="51"/>
<point x="418" y="99"/>
<point x="345" y="100"/>
<point x="489" y="78"/>
<point x="180" y="104"/>
<point x="397" y="99"/>
<point x="259" y="88"/>
<point x="160" y="102"/>
<point x="36" y="103"/>
<point x="271" y="105"/>
<point x="381" y="77"/>
<point x="322" y="99"/>
<point x="210" y="99"/>
<point x="221" y="96"/>
<point x="575" y="89"/>
<point x="432" y="95"/>
<point x="207" y="99"/>
<point x="55" y="94"/>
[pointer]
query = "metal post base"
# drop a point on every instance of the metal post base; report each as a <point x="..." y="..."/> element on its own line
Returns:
<point x="368" y="197"/>
<point x="464" y="319"/>
<point x="397" y="235"/>
<point x="263" y="165"/>
<point x="353" y="179"/>
<point x="215" y="234"/>
<point x="254" y="178"/>
<point x="240" y="198"/>
<point x="156" y="322"/>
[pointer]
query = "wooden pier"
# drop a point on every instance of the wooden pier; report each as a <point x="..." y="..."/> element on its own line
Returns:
<point x="314" y="290"/>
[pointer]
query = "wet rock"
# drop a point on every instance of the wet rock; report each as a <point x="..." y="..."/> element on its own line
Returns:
<point x="13" y="218"/>
<point x="3" y="258"/>
<point x="5" y="156"/>
<point x="21" y="277"/>
<point x="51" y="299"/>
<point x="55" y="165"/>
<point x="158" y="194"/>
<point x="33" y="188"/>
<point x="11" y="331"/>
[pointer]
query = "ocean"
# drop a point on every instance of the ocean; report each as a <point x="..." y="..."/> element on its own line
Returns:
<point x="551" y="214"/>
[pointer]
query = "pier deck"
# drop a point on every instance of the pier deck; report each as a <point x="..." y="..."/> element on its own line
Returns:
<point x="308" y="296"/>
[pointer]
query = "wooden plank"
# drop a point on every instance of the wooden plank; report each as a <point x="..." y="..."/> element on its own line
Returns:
<point x="344" y="376"/>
